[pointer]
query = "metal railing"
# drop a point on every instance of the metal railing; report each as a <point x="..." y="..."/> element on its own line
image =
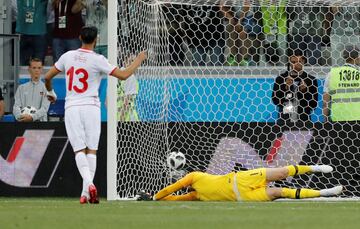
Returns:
<point x="9" y="67"/>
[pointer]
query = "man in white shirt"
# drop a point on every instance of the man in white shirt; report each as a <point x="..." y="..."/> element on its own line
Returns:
<point x="127" y="92"/>
<point x="83" y="69"/>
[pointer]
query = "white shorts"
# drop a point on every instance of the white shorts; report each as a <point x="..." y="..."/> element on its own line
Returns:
<point x="83" y="126"/>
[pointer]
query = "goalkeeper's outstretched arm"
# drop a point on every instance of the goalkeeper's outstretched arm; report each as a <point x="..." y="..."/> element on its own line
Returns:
<point x="186" y="197"/>
<point x="165" y="193"/>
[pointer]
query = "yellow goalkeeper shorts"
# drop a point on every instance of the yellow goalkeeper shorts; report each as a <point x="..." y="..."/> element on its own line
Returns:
<point x="252" y="185"/>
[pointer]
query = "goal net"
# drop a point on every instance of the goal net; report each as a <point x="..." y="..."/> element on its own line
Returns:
<point x="233" y="85"/>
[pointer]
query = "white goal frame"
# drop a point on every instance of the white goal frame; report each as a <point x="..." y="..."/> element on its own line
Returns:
<point x="111" y="104"/>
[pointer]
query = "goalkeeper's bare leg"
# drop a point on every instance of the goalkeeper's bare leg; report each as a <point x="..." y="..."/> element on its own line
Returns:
<point x="275" y="174"/>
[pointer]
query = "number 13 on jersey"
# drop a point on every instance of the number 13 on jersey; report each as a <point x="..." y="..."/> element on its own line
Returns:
<point x="81" y="75"/>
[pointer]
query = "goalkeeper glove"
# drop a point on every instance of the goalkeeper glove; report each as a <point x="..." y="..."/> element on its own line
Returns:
<point x="143" y="196"/>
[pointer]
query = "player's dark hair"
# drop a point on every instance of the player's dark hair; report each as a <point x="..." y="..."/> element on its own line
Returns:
<point x="88" y="34"/>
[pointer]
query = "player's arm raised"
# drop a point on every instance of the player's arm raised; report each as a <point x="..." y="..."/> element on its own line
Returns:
<point x="127" y="72"/>
<point x="48" y="77"/>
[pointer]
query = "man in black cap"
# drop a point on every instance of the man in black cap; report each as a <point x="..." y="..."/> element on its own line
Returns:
<point x="342" y="88"/>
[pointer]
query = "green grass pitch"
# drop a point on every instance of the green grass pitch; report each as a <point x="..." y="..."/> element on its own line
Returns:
<point x="67" y="213"/>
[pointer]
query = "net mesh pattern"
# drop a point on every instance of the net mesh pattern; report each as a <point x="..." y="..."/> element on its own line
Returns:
<point x="236" y="85"/>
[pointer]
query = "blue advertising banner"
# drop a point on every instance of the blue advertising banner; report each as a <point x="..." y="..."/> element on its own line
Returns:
<point x="200" y="99"/>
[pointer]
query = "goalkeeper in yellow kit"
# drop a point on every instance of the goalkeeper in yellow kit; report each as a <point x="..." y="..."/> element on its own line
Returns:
<point x="251" y="185"/>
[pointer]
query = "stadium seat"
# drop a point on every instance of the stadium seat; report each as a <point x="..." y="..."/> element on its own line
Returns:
<point x="57" y="110"/>
<point x="8" y="118"/>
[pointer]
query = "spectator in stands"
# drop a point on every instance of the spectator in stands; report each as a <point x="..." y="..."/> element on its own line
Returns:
<point x="342" y="88"/>
<point x="50" y="23"/>
<point x="2" y="105"/>
<point x="31" y="24"/>
<point x="307" y="31"/>
<point x="345" y="30"/>
<point x="32" y="93"/>
<point x="68" y="23"/>
<point x="295" y="92"/>
<point x="204" y="32"/>
<point x="237" y="34"/>
<point x="175" y="33"/>
<point x="274" y="21"/>
<point x="96" y="15"/>
<point x="14" y="12"/>
<point x="244" y="34"/>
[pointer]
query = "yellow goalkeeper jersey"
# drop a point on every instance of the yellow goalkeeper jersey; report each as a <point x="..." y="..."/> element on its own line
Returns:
<point x="245" y="185"/>
<point x="213" y="187"/>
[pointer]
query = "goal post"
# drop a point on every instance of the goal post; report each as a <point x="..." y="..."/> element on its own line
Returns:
<point x="128" y="39"/>
<point x="208" y="90"/>
<point x="111" y="104"/>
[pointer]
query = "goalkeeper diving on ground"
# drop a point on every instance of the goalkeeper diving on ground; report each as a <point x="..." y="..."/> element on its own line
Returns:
<point x="251" y="185"/>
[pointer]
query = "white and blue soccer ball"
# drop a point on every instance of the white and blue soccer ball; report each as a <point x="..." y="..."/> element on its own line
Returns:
<point x="176" y="160"/>
<point x="28" y="110"/>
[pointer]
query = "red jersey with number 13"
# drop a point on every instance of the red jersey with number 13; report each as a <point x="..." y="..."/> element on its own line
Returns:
<point x="83" y="70"/>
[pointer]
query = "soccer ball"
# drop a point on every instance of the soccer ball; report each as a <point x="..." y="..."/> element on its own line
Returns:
<point x="28" y="110"/>
<point x="176" y="160"/>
